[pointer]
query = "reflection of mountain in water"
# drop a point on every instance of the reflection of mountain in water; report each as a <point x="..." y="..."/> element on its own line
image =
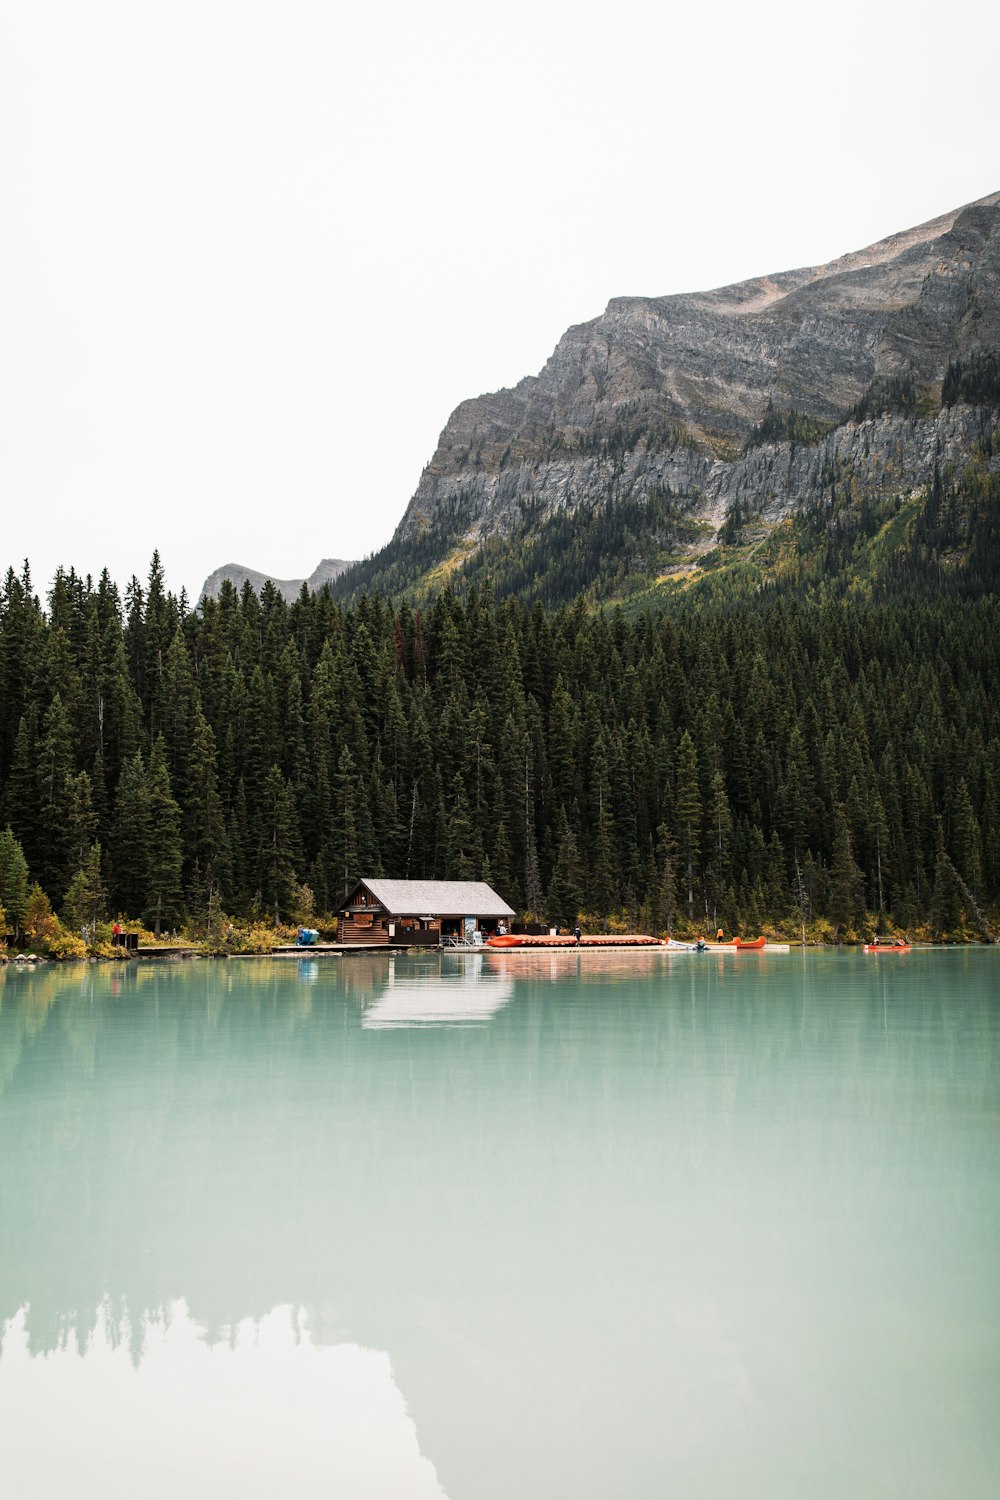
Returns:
<point x="266" y="1413"/>
<point x="530" y="1214"/>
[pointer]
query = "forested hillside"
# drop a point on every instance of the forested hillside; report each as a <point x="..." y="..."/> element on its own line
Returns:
<point x="785" y="754"/>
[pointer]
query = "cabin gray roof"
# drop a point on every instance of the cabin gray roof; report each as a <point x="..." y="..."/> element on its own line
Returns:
<point x="434" y="898"/>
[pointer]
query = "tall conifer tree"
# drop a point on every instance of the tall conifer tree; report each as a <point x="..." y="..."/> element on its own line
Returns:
<point x="164" y="883"/>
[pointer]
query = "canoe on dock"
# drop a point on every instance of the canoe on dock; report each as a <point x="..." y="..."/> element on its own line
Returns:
<point x="887" y="947"/>
<point x="741" y="945"/>
<point x="759" y="945"/>
<point x="567" y="940"/>
<point x="516" y="941"/>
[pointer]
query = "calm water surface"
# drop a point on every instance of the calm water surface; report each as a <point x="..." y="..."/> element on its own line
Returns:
<point x="502" y="1225"/>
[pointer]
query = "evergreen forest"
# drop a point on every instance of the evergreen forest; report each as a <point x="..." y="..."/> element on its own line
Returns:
<point x="795" y="757"/>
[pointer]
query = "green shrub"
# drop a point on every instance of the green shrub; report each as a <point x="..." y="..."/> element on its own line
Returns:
<point x="66" y="945"/>
<point x="258" y="937"/>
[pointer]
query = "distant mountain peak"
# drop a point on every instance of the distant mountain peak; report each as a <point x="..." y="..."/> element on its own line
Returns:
<point x="695" y="411"/>
<point x="289" y="588"/>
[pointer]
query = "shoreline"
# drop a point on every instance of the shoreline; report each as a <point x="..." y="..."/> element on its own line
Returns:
<point x="604" y="945"/>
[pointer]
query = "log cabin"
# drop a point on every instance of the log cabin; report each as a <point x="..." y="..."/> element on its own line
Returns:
<point x="423" y="913"/>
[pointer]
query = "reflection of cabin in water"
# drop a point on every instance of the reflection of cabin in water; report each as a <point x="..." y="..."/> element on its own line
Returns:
<point x="421" y="912"/>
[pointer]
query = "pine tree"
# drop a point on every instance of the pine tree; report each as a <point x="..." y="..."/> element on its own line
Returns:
<point x="204" y="827"/>
<point x="55" y="774"/>
<point x="603" y="883"/>
<point x="13" y="881"/>
<point x="946" y="908"/>
<point x="603" y="886"/>
<point x="464" y="850"/>
<point x="22" y="634"/>
<point x="419" y="802"/>
<point x="242" y="856"/>
<point x="156" y="633"/>
<point x="720" y="824"/>
<point x="164" y="898"/>
<point x="846" y="881"/>
<point x="344" y="841"/>
<point x="966" y="842"/>
<point x="991" y="820"/>
<point x="798" y="795"/>
<point x="278" y="846"/>
<point x="563" y="754"/>
<point x="566" y="888"/>
<point x="687" y="816"/>
<point x="81" y="825"/>
<point x="131" y="838"/>
<point x="666" y="870"/>
<point x="501" y="865"/>
<point x="882" y="875"/>
<point x="21" y="800"/>
<point x="532" y="876"/>
<point x="85" y="903"/>
<point x="175" y="695"/>
<point x="776" y="892"/>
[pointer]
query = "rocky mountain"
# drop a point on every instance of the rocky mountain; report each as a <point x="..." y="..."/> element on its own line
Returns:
<point x="235" y="573"/>
<point x="696" y="415"/>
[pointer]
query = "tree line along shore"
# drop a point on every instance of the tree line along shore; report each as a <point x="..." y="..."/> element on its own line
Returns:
<point x="802" y="765"/>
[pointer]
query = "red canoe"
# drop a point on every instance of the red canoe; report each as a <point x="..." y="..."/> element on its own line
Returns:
<point x="887" y="947"/>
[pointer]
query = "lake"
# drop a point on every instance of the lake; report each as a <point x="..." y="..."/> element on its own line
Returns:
<point x="502" y="1225"/>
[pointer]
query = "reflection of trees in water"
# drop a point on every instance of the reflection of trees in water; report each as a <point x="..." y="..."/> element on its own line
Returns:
<point x="25" y="997"/>
<point x="223" y="1133"/>
<point x="496" y="1205"/>
<point x="232" y="1136"/>
<point x="267" y="1411"/>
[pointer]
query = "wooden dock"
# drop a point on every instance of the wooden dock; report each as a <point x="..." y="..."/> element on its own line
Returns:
<point x="315" y="950"/>
<point x="310" y="950"/>
<point x="283" y="950"/>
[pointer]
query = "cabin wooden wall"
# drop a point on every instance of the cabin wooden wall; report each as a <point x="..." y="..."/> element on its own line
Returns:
<point x="373" y="932"/>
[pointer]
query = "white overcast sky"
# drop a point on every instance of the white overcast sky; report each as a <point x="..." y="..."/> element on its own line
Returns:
<point x="253" y="254"/>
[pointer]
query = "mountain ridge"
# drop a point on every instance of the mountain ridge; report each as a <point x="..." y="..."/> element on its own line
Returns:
<point x="678" y="395"/>
<point x="289" y="588"/>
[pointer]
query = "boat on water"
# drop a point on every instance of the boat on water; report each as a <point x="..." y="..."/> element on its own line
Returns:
<point x="887" y="947"/>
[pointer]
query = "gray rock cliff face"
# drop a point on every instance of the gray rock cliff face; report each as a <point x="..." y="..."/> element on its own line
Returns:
<point x="664" y="391"/>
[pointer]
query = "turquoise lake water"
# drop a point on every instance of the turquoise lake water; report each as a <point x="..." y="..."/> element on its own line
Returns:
<point x="514" y="1225"/>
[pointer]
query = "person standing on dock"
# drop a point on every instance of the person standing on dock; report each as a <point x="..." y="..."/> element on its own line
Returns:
<point x="577" y="931"/>
<point x="720" y="936"/>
